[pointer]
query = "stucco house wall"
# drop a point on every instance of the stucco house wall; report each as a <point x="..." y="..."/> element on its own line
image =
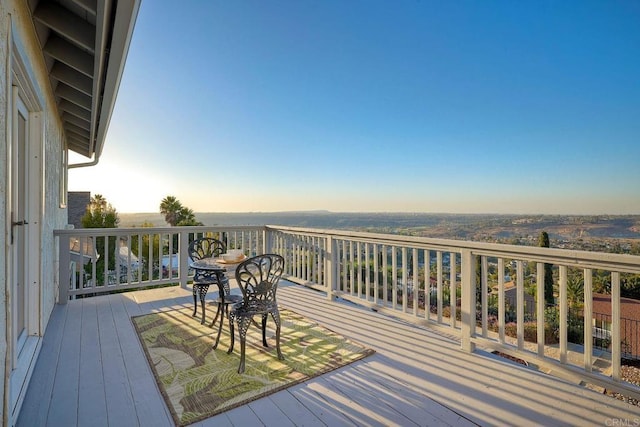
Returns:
<point x="17" y="28"/>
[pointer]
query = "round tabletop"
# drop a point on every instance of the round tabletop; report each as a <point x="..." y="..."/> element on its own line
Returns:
<point x="208" y="264"/>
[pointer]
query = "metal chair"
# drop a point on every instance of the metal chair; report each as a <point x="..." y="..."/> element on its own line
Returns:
<point x="258" y="279"/>
<point x="208" y="247"/>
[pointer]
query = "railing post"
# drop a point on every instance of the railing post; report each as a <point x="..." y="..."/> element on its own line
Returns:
<point x="330" y="266"/>
<point x="267" y="241"/>
<point x="468" y="305"/>
<point x="540" y="306"/>
<point x="615" y="327"/>
<point x="64" y="269"/>
<point x="183" y="245"/>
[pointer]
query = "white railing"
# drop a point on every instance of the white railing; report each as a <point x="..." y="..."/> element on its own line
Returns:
<point x="118" y="259"/>
<point x="433" y="282"/>
<point x="388" y="273"/>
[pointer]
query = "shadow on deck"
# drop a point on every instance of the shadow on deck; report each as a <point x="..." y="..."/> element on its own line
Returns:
<point x="92" y="371"/>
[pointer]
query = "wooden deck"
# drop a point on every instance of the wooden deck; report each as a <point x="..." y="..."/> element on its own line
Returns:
<point x="92" y="372"/>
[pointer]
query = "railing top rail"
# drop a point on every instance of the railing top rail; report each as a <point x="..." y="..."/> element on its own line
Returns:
<point x="575" y="258"/>
<point x="144" y="230"/>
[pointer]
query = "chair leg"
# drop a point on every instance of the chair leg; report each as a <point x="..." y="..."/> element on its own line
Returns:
<point x="195" y="301"/>
<point x="232" y="334"/>
<point x="264" y="330"/>
<point x="203" y="294"/>
<point x="276" y="320"/>
<point x="243" y="326"/>
<point x="215" y="319"/>
<point x="242" y="347"/>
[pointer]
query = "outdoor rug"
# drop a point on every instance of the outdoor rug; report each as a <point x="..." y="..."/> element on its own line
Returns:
<point x="198" y="382"/>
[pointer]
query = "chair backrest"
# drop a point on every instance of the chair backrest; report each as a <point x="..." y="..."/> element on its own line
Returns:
<point x="258" y="279"/>
<point x="206" y="247"/>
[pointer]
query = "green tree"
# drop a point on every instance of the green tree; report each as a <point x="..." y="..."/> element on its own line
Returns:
<point x="150" y="243"/>
<point x="186" y="217"/>
<point x="630" y="286"/>
<point x="170" y="207"/>
<point x="601" y="283"/>
<point x="100" y="214"/>
<point x="543" y="242"/>
<point x="176" y="214"/>
<point x="575" y="291"/>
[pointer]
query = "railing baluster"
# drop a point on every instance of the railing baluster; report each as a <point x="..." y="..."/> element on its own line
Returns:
<point x="501" y="302"/>
<point x="394" y="277"/>
<point x="385" y="277"/>
<point x="520" y="299"/>
<point x="359" y="269"/>
<point x="367" y="277"/>
<point x="453" y="289"/>
<point x="427" y="284"/>
<point x="540" y="306"/>
<point x="415" y="281"/>
<point x="105" y="271"/>
<point x="588" y="316"/>
<point x="440" y="275"/>
<point x="376" y="272"/>
<point x="405" y="275"/>
<point x="563" y="314"/>
<point x="345" y="264"/>
<point x="351" y="269"/>
<point x="484" y="271"/>
<point x="615" y="327"/>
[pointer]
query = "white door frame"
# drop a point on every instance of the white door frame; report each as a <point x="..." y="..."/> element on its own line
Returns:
<point x="19" y="228"/>
<point x="23" y="96"/>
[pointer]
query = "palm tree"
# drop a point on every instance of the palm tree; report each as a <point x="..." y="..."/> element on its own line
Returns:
<point x="186" y="217"/>
<point x="575" y="291"/>
<point x="171" y="208"/>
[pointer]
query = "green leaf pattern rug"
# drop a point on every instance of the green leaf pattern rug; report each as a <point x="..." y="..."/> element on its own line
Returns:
<point x="198" y="382"/>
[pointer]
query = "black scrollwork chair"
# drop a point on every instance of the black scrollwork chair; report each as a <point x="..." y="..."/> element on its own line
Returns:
<point x="208" y="247"/>
<point x="258" y="279"/>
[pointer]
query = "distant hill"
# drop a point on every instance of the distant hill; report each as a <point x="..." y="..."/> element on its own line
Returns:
<point x="455" y="226"/>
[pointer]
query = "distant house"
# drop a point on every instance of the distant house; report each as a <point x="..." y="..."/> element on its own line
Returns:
<point x="82" y="252"/>
<point x="77" y="202"/>
<point x="629" y="323"/>
<point x="511" y="297"/>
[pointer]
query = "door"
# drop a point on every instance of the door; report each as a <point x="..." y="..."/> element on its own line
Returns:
<point x="18" y="235"/>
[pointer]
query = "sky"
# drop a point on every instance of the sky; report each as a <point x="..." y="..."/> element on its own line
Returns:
<point x="377" y="106"/>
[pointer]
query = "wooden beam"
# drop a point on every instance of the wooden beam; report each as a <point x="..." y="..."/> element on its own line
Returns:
<point x="72" y="95"/>
<point x="69" y="54"/>
<point x="71" y="128"/>
<point x="80" y="147"/>
<point x="72" y="77"/>
<point x="81" y="123"/>
<point x="90" y="6"/>
<point x="74" y="110"/>
<point x="67" y="24"/>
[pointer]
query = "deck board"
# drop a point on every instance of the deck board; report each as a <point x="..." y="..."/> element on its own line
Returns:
<point x="119" y="397"/>
<point x="63" y="407"/>
<point x="294" y="409"/>
<point x="92" y="408"/>
<point x="35" y="409"/>
<point x="92" y="370"/>
<point x="146" y="399"/>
